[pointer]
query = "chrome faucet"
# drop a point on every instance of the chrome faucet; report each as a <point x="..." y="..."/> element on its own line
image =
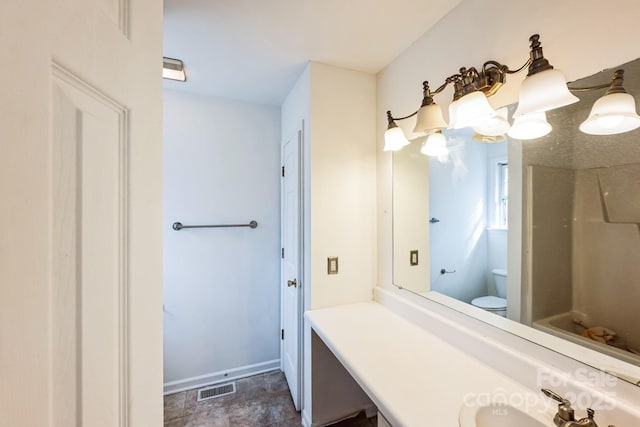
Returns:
<point x="565" y="415"/>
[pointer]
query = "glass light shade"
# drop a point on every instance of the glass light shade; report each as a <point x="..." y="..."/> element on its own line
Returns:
<point x="530" y="126"/>
<point x="435" y="145"/>
<point x="444" y="157"/>
<point x="494" y="126"/>
<point x="472" y="109"/>
<point x="394" y="139"/>
<point x="429" y="119"/>
<point x="544" y="91"/>
<point x="612" y="114"/>
<point x="453" y="110"/>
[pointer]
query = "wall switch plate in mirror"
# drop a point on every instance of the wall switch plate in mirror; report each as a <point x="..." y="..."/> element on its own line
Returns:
<point x="413" y="257"/>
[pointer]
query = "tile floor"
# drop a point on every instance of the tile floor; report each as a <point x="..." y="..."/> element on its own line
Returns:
<point x="262" y="400"/>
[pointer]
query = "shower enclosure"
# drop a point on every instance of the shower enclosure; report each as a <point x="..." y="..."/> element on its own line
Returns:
<point x="584" y="255"/>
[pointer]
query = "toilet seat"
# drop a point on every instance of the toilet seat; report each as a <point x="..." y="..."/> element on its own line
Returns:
<point x="490" y="303"/>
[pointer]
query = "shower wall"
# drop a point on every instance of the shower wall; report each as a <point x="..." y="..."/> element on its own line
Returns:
<point x="550" y="209"/>
<point x="606" y="267"/>
<point x="581" y="260"/>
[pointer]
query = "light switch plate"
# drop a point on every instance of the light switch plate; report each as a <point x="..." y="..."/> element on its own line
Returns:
<point x="413" y="257"/>
<point x="332" y="265"/>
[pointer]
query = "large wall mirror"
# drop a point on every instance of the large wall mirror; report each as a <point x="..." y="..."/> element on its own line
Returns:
<point x="545" y="232"/>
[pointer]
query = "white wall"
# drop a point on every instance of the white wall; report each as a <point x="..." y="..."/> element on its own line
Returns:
<point x="497" y="254"/>
<point x="342" y="176"/>
<point x="458" y="198"/>
<point x="570" y="32"/>
<point x="496" y="237"/>
<point x="411" y="218"/>
<point x="221" y="286"/>
<point x="338" y="108"/>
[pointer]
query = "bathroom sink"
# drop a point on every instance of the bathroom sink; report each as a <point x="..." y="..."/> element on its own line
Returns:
<point x="498" y="415"/>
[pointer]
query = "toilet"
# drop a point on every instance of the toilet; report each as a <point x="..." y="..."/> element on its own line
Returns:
<point x="495" y="304"/>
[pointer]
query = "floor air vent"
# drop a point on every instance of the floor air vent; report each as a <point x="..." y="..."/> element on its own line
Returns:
<point x="216" y="391"/>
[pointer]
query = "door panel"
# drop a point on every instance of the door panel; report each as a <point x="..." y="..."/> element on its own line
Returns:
<point x="291" y="301"/>
<point x="80" y="181"/>
<point x="89" y="149"/>
<point x="117" y="11"/>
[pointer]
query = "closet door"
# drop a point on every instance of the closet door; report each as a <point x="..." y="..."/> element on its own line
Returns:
<point x="292" y="291"/>
<point x="80" y="180"/>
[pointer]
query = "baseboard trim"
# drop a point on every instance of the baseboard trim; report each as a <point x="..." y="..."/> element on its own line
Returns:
<point x="371" y="410"/>
<point x="216" y="377"/>
<point x="306" y="422"/>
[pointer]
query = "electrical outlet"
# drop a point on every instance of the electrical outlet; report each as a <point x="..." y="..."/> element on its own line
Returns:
<point x="332" y="265"/>
<point x="413" y="257"/>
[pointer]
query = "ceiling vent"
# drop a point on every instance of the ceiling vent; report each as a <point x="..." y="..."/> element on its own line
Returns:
<point x="173" y="69"/>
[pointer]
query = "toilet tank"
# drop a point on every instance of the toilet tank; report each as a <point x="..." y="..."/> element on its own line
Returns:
<point x="500" y="280"/>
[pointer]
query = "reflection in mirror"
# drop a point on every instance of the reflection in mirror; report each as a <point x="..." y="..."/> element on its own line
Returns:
<point x="458" y="213"/>
<point x="580" y="216"/>
<point x="583" y="238"/>
<point x="410" y="236"/>
<point x="467" y="194"/>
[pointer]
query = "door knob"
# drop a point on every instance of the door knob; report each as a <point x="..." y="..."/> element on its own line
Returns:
<point x="293" y="283"/>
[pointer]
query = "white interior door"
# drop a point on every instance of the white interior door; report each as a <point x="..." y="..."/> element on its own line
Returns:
<point x="81" y="171"/>
<point x="291" y="266"/>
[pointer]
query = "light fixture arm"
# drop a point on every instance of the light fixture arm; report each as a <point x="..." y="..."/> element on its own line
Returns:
<point x="447" y="82"/>
<point x="504" y="68"/>
<point x="392" y="119"/>
<point x="614" y="87"/>
<point x="488" y="80"/>
<point x="428" y="94"/>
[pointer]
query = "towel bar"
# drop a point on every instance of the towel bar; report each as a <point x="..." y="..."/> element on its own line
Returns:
<point x="179" y="226"/>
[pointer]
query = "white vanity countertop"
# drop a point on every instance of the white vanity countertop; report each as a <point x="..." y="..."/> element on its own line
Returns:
<point x="413" y="377"/>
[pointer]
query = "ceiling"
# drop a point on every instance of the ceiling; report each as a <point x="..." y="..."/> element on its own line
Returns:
<point x="254" y="50"/>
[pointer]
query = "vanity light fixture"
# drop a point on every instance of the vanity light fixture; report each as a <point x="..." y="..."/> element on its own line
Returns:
<point x="495" y="125"/>
<point x="544" y="89"/>
<point x="435" y="145"/>
<point x="394" y="138"/>
<point x="529" y="126"/>
<point x="429" y="117"/>
<point x="472" y="110"/>
<point x="173" y="69"/>
<point x="613" y="113"/>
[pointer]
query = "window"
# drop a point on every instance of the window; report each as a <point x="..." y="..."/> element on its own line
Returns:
<point x="502" y="194"/>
